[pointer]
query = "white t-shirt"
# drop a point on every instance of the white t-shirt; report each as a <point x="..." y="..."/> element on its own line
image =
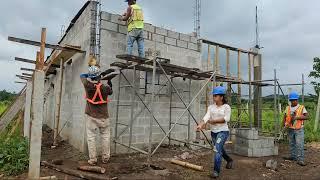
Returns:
<point x="293" y="109"/>
<point x="217" y="112"/>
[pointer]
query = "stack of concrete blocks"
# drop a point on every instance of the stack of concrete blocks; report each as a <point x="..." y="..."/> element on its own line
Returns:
<point x="249" y="143"/>
<point x="181" y="49"/>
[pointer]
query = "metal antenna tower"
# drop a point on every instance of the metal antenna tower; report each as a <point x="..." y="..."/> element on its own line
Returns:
<point x="197" y="14"/>
<point x="257" y="45"/>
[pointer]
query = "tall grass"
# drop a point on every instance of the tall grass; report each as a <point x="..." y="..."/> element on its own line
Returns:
<point x="14" y="149"/>
<point x="3" y="106"/>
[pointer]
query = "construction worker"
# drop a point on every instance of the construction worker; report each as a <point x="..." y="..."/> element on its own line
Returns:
<point x="293" y="119"/>
<point x="97" y="117"/>
<point x="218" y="116"/>
<point x="135" y="22"/>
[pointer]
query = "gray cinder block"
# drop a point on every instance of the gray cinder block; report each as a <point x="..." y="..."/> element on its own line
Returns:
<point x="161" y="31"/>
<point x="184" y="37"/>
<point x="182" y="44"/>
<point x="170" y="41"/>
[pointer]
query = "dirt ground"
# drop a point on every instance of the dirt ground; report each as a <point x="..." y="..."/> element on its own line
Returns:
<point x="133" y="166"/>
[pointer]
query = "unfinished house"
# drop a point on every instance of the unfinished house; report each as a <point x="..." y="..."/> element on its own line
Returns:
<point x="155" y="102"/>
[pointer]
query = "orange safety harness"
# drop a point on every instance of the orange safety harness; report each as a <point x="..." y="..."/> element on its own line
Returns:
<point x="298" y="123"/>
<point x="97" y="94"/>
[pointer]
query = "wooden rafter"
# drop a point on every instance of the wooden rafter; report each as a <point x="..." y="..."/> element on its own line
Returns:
<point x="27" y="74"/>
<point x="227" y="47"/>
<point x="25" y="60"/>
<point x="27" y="69"/>
<point x="20" y="76"/>
<point x="19" y="82"/>
<point x="50" y="46"/>
<point x="33" y="62"/>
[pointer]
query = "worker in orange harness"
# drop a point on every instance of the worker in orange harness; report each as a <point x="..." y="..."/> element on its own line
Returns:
<point x="293" y="119"/>
<point x="135" y="22"/>
<point x="97" y="117"/>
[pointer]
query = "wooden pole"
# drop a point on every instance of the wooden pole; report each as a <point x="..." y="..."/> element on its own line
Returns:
<point x="95" y="169"/>
<point x="48" y="178"/>
<point x="217" y="60"/>
<point x="239" y="87"/>
<point x="250" y="90"/>
<point x="228" y="74"/>
<point x="74" y="172"/>
<point x="42" y="48"/>
<point x="38" y="66"/>
<point x="188" y="165"/>
<point x="58" y="106"/>
<point x="216" y="64"/>
<point x="316" y="121"/>
<point x="207" y="89"/>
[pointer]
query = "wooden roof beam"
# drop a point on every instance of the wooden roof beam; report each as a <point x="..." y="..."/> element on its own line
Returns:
<point x="27" y="69"/>
<point x="20" y="76"/>
<point x="33" y="62"/>
<point x="24" y="77"/>
<point x="27" y="74"/>
<point x="227" y="47"/>
<point x="50" y="46"/>
<point x="19" y="82"/>
<point x="25" y="60"/>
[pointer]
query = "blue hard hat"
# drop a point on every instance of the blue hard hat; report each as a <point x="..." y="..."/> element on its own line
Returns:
<point x="219" y="90"/>
<point x="293" y="96"/>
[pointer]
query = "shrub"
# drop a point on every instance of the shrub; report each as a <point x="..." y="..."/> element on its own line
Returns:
<point x="14" y="157"/>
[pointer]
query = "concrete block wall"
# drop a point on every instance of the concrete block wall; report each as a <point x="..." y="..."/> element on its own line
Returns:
<point x="49" y="102"/>
<point x="249" y="143"/>
<point x="72" y="121"/>
<point x="181" y="49"/>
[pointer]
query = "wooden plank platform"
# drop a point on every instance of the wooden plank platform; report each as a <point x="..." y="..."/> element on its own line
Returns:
<point x="143" y="64"/>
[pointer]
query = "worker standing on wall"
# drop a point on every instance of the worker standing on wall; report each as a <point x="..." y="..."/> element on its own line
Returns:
<point x="218" y="115"/>
<point x="293" y="119"/>
<point x="135" y="22"/>
<point x="97" y="117"/>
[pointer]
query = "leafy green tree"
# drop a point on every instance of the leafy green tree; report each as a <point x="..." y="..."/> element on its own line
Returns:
<point x="316" y="74"/>
<point x="6" y="96"/>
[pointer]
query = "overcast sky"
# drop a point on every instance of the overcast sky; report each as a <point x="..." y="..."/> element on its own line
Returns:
<point x="289" y="29"/>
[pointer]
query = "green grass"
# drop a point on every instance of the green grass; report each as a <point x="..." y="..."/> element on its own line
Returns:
<point x="268" y="123"/>
<point x="3" y="106"/>
<point x="14" y="149"/>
